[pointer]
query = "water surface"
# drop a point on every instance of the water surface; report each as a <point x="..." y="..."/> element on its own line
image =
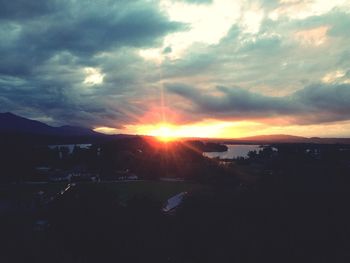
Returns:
<point x="234" y="151"/>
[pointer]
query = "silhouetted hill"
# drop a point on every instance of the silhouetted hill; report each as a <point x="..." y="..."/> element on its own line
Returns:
<point x="275" y="138"/>
<point x="330" y="140"/>
<point x="16" y="129"/>
<point x="11" y="123"/>
<point x="76" y="131"/>
<point x="282" y="138"/>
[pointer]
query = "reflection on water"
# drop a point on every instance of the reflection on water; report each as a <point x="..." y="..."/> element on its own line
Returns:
<point x="234" y="151"/>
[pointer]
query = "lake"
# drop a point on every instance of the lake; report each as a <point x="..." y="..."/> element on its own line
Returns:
<point x="234" y="151"/>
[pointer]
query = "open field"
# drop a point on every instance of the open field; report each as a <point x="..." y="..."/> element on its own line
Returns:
<point x="159" y="190"/>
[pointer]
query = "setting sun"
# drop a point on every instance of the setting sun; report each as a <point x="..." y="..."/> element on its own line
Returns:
<point x="165" y="133"/>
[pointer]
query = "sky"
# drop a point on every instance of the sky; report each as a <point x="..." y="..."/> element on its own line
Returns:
<point x="206" y="68"/>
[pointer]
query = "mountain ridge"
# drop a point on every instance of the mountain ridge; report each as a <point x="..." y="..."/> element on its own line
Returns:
<point x="274" y="137"/>
<point x="285" y="138"/>
<point x="12" y="123"/>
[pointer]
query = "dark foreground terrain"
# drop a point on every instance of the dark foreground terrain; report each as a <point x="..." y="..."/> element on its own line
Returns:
<point x="87" y="225"/>
<point x="285" y="203"/>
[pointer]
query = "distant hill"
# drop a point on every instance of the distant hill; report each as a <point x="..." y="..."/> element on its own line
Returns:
<point x="76" y="131"/>
<point x="275" y="138"/>
<point x="284" y="138"/>
<point x="11" y="123"/>
<point x="15" y="129"/>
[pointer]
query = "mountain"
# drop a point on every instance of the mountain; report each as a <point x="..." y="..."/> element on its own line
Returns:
<point x="15" y="129"/>
<point x="76" y="131"/>
<point x="11" y="123"/>
<point x="283" y="138"/>
<point x="275" y="138"/>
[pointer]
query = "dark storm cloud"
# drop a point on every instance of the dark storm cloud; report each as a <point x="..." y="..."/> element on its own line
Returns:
<point x="45" y="46"/>
<point x="325" y="103"/>
<point x="61" y="102"/>
<point x="91" y="34"/>
<point x="66" y="100"/>
<point x="231" y="102"/>
<point x="312" y="104"/>
<point x="82" y="30"/>
<point x="24" y="9"/>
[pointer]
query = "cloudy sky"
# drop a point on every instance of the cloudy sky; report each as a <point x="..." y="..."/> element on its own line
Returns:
<point x="219" y="68"/>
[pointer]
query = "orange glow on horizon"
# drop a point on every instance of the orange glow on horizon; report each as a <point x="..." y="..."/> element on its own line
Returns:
<point x="227" y="130"/>
<point x="169" y="132"/>
<point x="166" y="131"/>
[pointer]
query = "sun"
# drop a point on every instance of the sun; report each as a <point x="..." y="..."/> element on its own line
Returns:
<point x="164" y="133"/>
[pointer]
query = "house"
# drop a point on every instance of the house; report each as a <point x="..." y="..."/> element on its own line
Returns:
<point x="173" y="202"/>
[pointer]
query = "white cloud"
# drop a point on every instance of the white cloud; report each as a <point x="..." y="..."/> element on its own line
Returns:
<point x="93" y="76"/>
<point x="252" y="18"/>
<point x="207" y="24"/>
<point x="335" y="76"/>
<point x="107" y="130"/>
<point x="297" y="9"/>
<point x="152" y="54"/>
<point x="312" y="37"/>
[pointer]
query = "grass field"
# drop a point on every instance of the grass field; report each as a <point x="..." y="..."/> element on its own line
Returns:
<point x="159" y="190"/>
